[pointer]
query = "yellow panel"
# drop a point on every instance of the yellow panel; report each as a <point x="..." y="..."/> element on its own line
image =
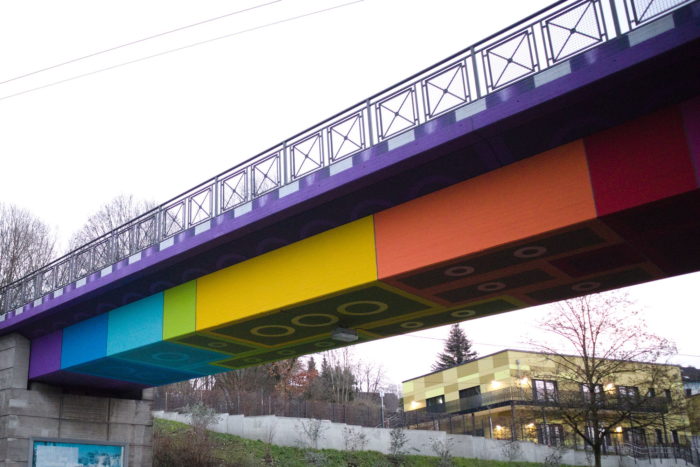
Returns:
<point x="469" y="378"/>
<point x="434" y="393"/>
<point x="329" y="262"/>
<point x="505" y="374"/>
<point x="407" y="387"/>
<point x="450" y="375"/>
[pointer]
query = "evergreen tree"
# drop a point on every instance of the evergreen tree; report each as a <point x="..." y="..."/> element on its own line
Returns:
<point x="311" y="365"/>
<point x="458" y="350"/>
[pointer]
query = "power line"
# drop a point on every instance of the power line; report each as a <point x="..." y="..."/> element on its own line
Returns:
<point x="137" y="41"/>
<point x="130" y="62"/>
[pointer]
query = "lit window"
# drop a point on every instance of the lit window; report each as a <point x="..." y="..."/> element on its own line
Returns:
<point x="597" y="393"/>
<point x="628" y="393"/>
<point x="544" y="390"/>
<point x="435" y="404"/>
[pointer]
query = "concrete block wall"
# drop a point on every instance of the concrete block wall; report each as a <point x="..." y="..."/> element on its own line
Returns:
<point x="287" y="431"/>
<point x="46" y="411"/>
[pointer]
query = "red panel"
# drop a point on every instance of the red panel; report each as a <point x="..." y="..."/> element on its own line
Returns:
<point x="640" y="162"/>
<point x="691" y="123"/>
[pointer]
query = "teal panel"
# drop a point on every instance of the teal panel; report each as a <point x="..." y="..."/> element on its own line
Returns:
<point x="135" y="325"/>
<point x="84" y="341"/>
<point x="171" y="355"/>
<point x="133" y="372"/>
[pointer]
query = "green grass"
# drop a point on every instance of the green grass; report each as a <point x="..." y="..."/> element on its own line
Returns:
<point x="175" y="444"/>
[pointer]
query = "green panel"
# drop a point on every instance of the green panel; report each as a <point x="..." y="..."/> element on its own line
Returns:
<point x="496" y="305"/>
<point x="179" y="310"/>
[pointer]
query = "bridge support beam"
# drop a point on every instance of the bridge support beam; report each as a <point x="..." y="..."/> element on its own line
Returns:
<point x="39" y="411"/>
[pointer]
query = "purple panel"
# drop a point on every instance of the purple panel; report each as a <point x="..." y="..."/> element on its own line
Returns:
<point x="76" y="380"/>
<point x="691" y="122"/>
<point x="45" y="356"/>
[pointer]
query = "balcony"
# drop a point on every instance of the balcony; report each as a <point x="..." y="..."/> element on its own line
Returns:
<point x="525" y="397"/>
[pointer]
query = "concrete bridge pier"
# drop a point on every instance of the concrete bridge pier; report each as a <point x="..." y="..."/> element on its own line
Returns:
<point x="36" y="410"/>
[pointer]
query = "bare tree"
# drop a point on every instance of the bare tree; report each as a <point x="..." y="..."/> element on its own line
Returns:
<point x="613" y="355"/>
<point x="337" y="374"/>
<point x="111" y="215"/>
<point x="370" y="376"/>
<point x="26" y="243"/>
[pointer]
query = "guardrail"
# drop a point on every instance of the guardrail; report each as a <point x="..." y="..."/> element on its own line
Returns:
<point x="525" y="396"/>
<point x="548" y="37"/>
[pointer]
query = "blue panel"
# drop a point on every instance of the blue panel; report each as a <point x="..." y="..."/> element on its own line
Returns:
<point x="122" y="370"/>
<point x="84" y="341"/>
<point x="136" y="324"/>
<point x="170" y="355"/>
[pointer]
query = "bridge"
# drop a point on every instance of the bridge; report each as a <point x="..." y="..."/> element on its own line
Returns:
<point x="553" y="159"/>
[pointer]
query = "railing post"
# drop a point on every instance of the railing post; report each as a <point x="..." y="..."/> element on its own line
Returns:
<point x="615" y="18"/>
<point x="476" y="73"/>
<point x="286" y="164"/>
<point x="370" y="123"/>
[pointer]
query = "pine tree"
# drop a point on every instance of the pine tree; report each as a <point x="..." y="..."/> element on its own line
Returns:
<point x="458" y="350"/>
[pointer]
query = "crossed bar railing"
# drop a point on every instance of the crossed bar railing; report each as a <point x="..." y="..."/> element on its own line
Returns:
<point x="544" y="39"/>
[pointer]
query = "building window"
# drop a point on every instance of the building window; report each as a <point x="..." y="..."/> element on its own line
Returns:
<point x="635" y="436"/>
<point x="607" y="438"/>
<point x="435" y="404"/>
<point x="667" y="394"/>
<point x="470" y="392"/>
<point x="544" y="390"/>
<point x="651" y="392"/>
<point x="629" y="393"/>
<point x="659" y="436"/>
<point x="597" y="393"/>
<point x="674" y="437"/>
<point x="688" y="392"/>
<point x="550" y="434"/>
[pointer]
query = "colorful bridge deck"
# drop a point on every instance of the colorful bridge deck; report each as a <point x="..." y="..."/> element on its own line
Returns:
<point x="616" y="208"/>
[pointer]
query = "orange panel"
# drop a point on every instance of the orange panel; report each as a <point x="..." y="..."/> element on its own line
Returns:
<point x="545" y="192"/>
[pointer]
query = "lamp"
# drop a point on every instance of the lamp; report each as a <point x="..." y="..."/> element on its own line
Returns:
<point x="344" y="335"/>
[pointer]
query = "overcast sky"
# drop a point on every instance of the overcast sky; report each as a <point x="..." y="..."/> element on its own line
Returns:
<point x="72" y="137"/>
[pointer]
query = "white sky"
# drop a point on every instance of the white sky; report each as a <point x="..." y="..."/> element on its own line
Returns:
<point x="159" y="126"/>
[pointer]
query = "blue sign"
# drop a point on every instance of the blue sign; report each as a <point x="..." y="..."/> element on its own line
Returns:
<point x="65" y="453"/>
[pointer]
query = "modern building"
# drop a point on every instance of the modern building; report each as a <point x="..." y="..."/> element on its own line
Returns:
<point x="523" y="395"/>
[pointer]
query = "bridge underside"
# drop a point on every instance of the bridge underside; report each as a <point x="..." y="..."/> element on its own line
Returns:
<point x="616" y="208"/>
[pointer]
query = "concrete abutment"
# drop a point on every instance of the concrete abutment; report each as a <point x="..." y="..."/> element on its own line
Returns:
<point x="36" y="410"/>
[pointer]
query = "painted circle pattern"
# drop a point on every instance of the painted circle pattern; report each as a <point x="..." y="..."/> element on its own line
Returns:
<point x="463" y="313"/>
<point x="585" y="286"/>
<point x="411" y="324"/>
<point x="217" y="345"/>
<point x="459" y="271"/>
<point x="380" y="307"/>
<point x="528" y="252"/>
<point x="491" y="286"/>
<point x="285" y="330"/>
<point x="169" y="357"/>
<point x="331" y="319"/>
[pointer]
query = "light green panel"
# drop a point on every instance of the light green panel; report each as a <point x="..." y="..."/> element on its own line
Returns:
<point x="179" y="310"/>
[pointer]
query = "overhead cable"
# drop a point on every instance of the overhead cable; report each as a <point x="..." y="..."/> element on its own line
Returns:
<point x="189" y="46"/>
<point x="137" y="41"/>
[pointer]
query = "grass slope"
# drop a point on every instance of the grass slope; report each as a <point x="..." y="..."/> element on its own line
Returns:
<point x="176" y="444"/>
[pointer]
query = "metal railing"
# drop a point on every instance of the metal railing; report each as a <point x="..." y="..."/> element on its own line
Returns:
<point x="544" y="39"/>
<point x="525" y="396"/>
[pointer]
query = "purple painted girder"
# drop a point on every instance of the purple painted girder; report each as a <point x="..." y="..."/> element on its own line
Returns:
<point x="606" y="86"/>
